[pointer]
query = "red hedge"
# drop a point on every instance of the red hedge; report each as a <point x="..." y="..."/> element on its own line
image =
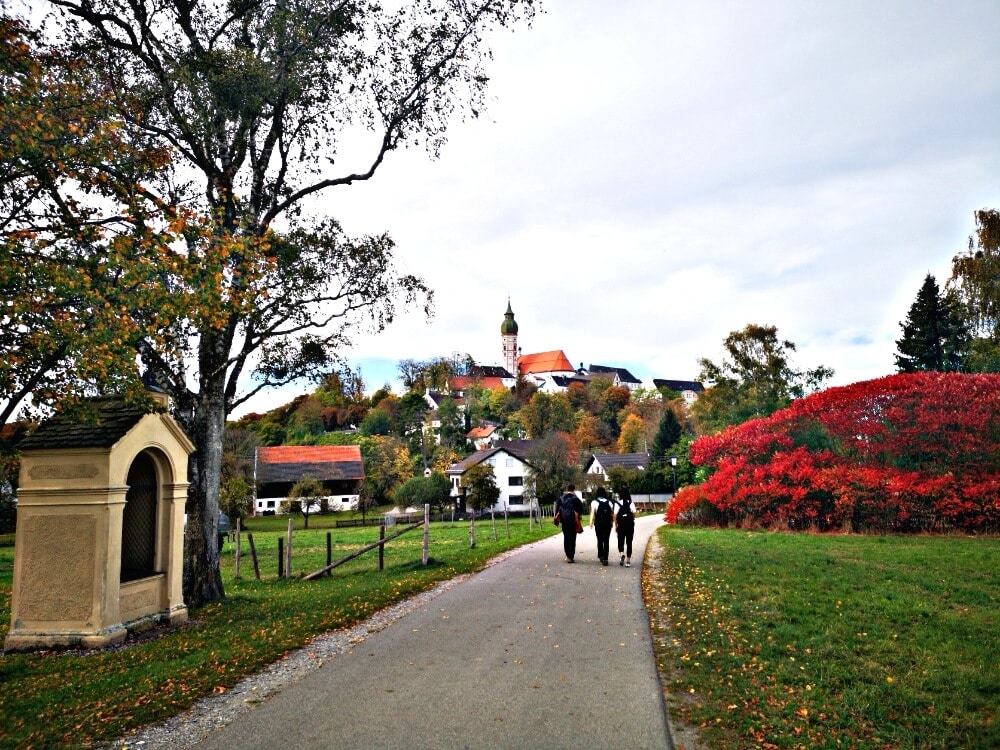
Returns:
<point x="908" y="452"/>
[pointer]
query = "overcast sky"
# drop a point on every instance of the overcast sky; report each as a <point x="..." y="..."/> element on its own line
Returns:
<point x="652" y="175"/>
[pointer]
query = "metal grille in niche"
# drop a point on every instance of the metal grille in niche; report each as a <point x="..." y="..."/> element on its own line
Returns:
<point x="139" y="520"/>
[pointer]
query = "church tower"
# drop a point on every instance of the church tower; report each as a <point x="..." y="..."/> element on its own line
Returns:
<point x="508" y="334"/>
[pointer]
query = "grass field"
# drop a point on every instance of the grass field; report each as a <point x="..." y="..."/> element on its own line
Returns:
<point x="72" y="699"/>
<point x="770" y="640"/>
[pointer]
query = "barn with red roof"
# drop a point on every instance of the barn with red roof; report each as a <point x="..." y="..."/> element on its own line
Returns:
<point x="339" y="468"/>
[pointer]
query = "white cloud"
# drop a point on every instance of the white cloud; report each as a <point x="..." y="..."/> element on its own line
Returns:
<point x="651" y="176"/>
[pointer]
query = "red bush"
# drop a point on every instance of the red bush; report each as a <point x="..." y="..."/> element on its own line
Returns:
<point x="909" y="452"/>
<point x="689" y="506"/>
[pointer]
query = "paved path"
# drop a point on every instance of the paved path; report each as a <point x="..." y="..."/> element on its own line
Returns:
<point x="530" y="653"/>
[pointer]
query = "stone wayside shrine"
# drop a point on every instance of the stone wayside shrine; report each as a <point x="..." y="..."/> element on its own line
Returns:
<point x="100" y="528"/>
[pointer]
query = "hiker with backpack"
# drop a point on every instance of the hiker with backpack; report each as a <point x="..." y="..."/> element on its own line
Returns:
<point x="601" y="520"/>
<point x="568" y="510"/>
<point x="624" y="519"/>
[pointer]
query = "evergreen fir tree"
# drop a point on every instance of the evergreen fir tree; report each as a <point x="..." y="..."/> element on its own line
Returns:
<point x="935" y="335"/>
<point x="667" y="435"/>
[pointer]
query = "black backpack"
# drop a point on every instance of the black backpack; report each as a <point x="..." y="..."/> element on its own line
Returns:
<point x="567" y="504"/>
<point x="625" y="516"/>
<point x="603" y="514"/>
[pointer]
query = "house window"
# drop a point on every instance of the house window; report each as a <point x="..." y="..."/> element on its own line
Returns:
<point x="270" y="503"/>
<point x="515" y="500"/>
<point x="492" y="462"/>
<point x="515" y="481"/>
<point x="510" y="462"/>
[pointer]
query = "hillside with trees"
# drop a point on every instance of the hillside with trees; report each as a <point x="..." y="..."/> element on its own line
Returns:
<point x="401" y="435"/>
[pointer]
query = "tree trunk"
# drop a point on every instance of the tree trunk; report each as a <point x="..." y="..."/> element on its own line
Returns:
<point x="202" y="578"/>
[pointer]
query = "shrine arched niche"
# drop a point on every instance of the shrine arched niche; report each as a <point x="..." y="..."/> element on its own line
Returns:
<point x="140" y="519"/>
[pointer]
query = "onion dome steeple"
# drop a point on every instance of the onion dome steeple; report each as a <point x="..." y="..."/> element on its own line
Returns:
<point x="509" y="325"/>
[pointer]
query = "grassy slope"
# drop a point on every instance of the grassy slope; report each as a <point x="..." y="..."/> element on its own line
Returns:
<point x="785" y="640"/>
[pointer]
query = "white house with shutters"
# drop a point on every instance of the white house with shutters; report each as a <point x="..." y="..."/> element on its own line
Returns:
<point x="509" y="470"/>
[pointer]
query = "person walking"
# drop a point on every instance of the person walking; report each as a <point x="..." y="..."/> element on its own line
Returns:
<point x="570" y="508"/>
<point x="601" y="520"/>
<point x="624" y="520"/>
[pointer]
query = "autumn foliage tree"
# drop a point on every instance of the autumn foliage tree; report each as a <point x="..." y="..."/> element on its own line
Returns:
<point x="480" y="486"/>
<point x="553" y="462"/>
<point x="975" y="281"/>
<point x="82" y="243"/>
<point x="909" y="452"/>
<point x="755" y="378"/>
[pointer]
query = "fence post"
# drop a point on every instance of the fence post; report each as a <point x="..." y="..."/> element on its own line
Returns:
<point x="427" y="528"/>
<point x="236" y="555"/>
<point x="329" y="550"/>
<point x="472" y="530"/>
<point x="288" y="552"/>
<point x="253" y="556"/>
<point x="381" y="547"/>
<point x="281" y="557"/>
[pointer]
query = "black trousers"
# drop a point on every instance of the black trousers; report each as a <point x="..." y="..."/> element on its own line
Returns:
<point x="603" y="541"/>
<point x="625" y="538"/>
<point x="569" y="538"/>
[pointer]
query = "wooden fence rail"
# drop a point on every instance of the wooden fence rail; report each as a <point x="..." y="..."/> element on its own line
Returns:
<point x="357" y="553"/>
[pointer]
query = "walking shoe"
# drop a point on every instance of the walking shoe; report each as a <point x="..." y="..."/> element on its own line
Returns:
<point x="604" y="562"/>
<point x="627" y="565"/>
<point x="622" y="561"/>
<point x="569" y="559"/>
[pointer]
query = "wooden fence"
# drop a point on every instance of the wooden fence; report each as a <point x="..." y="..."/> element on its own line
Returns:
<point x="409" y="522"/>
<point x="285" y="548"/>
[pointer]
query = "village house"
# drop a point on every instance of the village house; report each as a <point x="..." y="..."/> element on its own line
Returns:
<point x="485" y="436"/>
<point x="510" y="470"/>
<point x="596" y="467"/>
<point x="339" y="468"/>
<point x="689" y="389"/>
<point x="619" y="376"/>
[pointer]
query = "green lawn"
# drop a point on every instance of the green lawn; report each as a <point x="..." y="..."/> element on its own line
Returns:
<point x="76" y="698"/>
<point x="806" y="641"/>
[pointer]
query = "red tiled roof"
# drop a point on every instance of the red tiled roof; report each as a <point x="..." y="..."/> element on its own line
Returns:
<point x="323" y="462"/>
<point x="554" y="361"/>
<point x="481" y="432"/>
<point x="461" y="382"/>
<point x="283" y="454"/>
